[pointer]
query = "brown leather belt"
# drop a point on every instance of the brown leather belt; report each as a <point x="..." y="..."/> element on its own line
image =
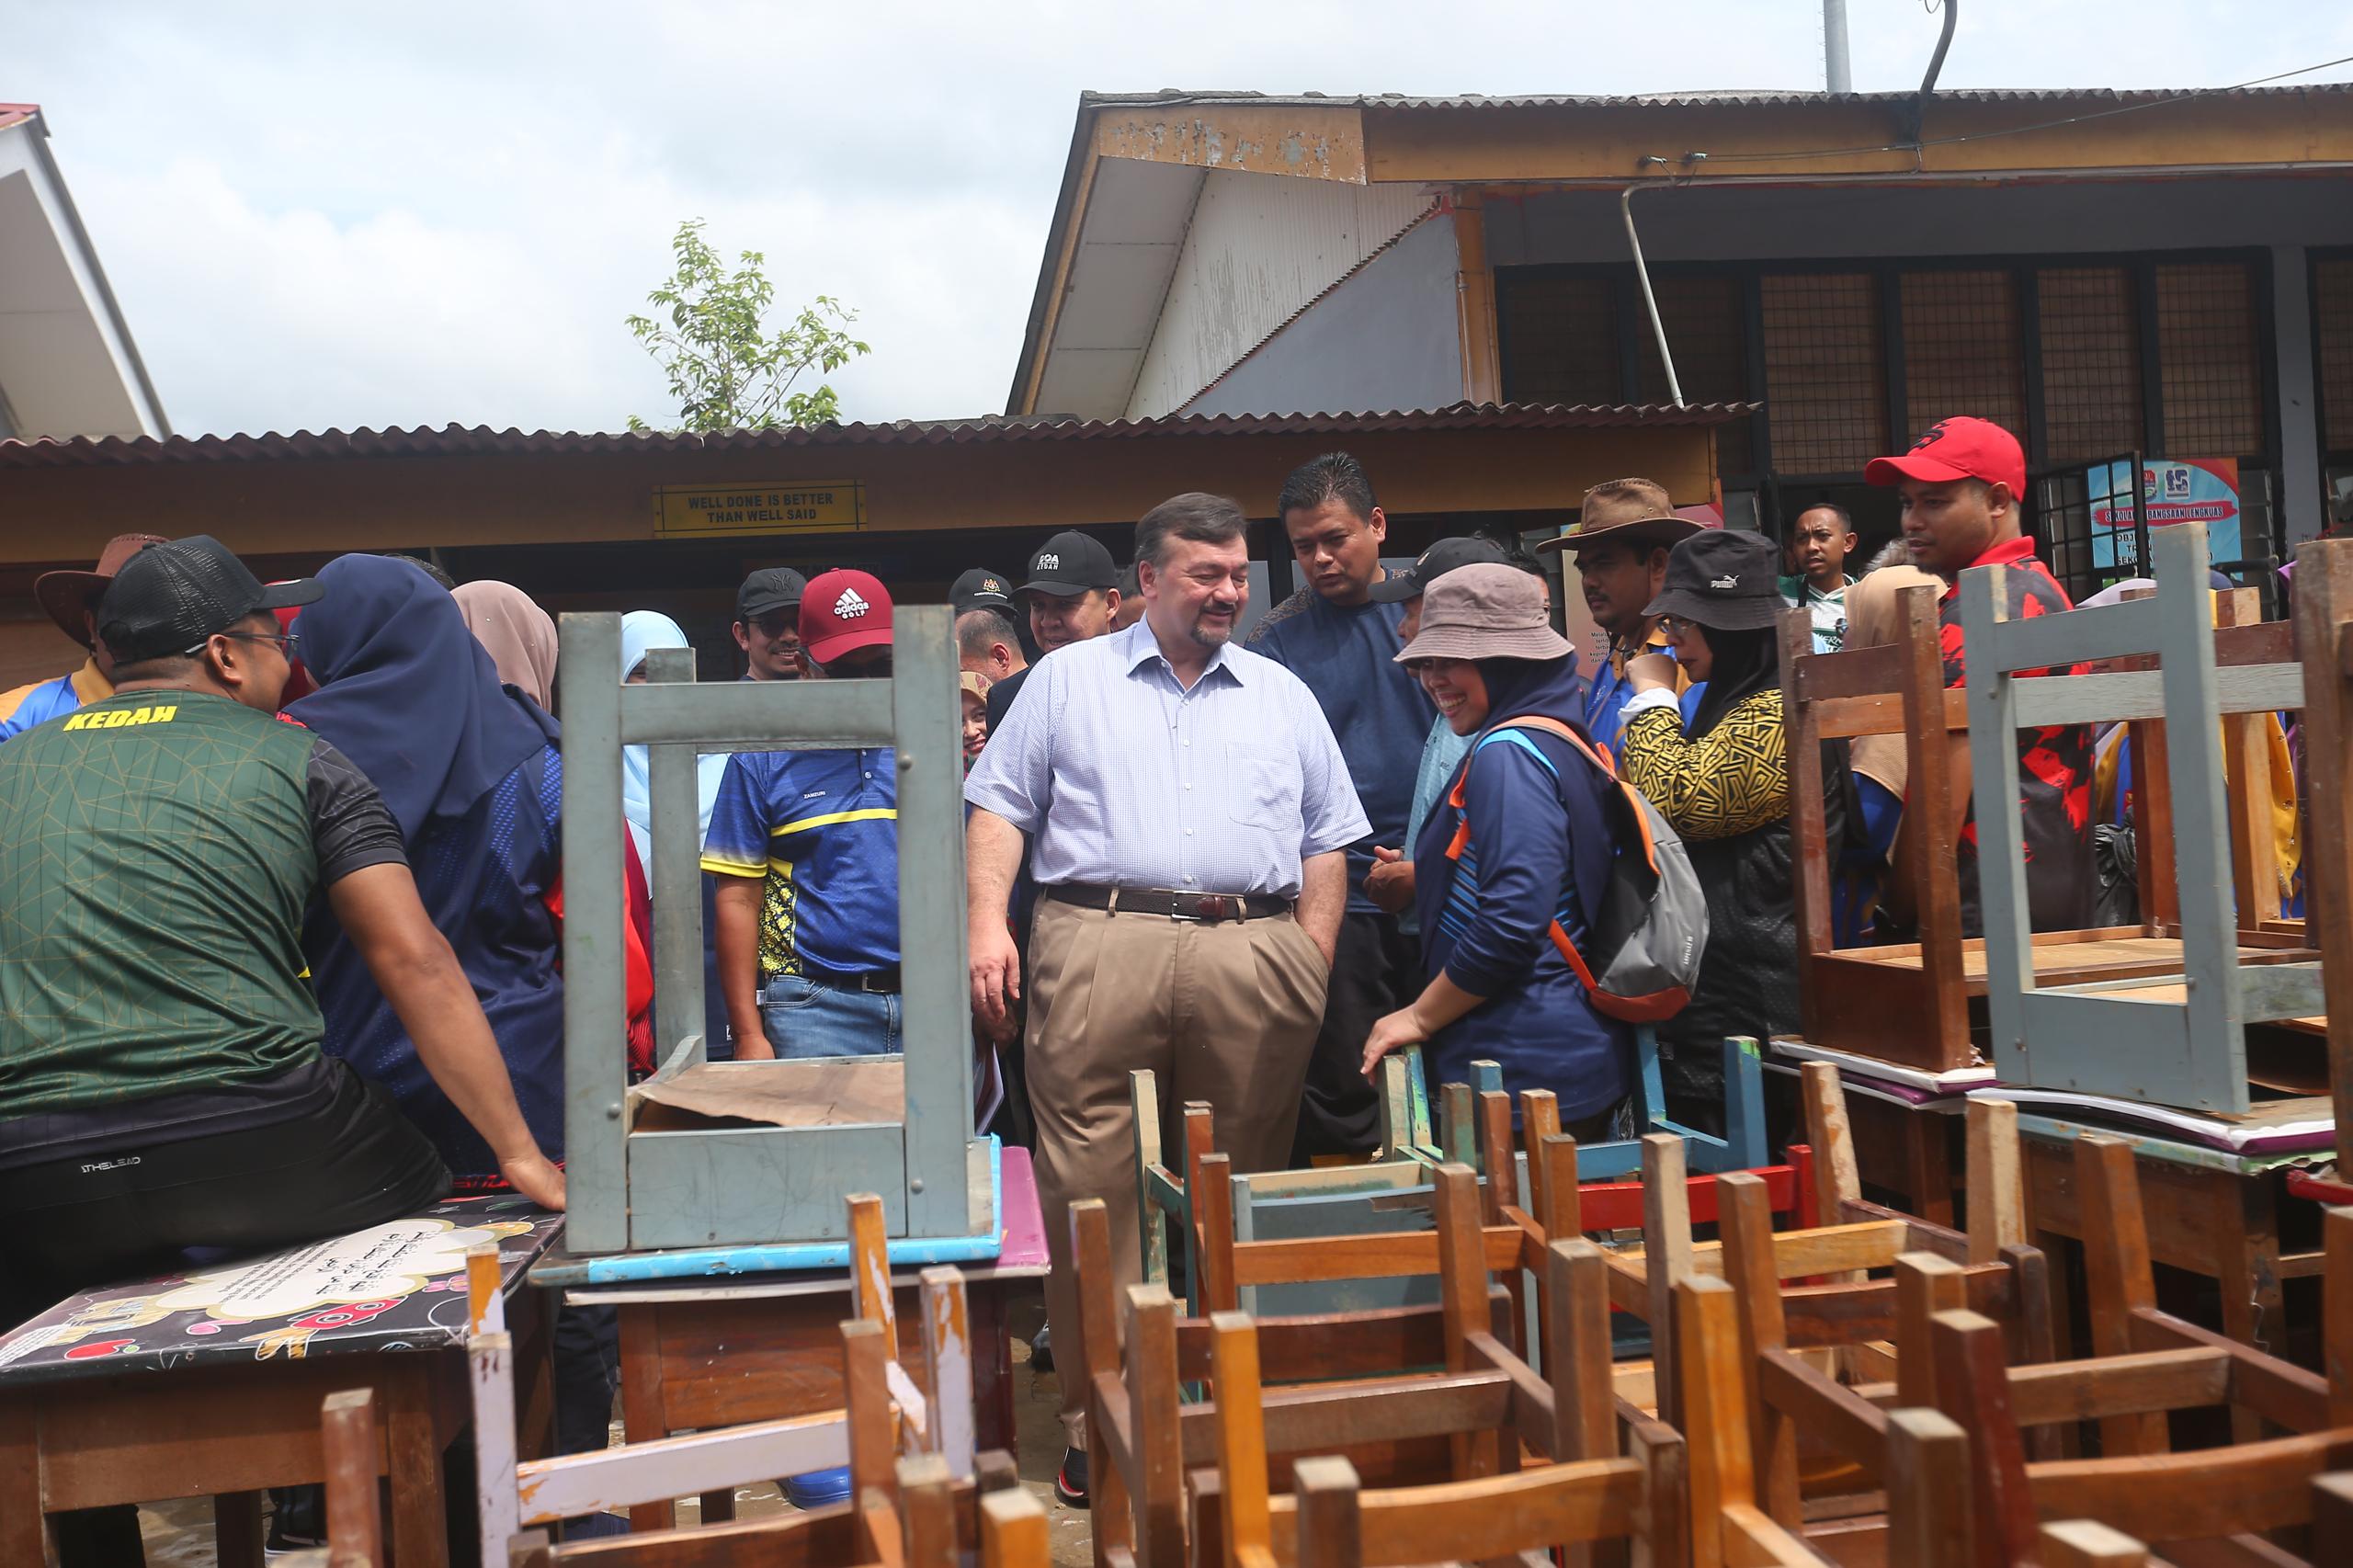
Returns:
<point x="1207" y="907"/>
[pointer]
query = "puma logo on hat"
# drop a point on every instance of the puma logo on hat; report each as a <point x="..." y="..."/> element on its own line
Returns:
<point x="849" y="607"/>
<point x="1723" y="582"/>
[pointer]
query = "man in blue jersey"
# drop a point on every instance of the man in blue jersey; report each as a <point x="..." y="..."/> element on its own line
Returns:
<point x="72" y="600"/>
<point x="1338" y="635"/>
<point x="806" y="848"/>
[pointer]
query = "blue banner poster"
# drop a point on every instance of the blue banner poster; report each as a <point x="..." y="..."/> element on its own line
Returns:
<point x="2172" y="490"/>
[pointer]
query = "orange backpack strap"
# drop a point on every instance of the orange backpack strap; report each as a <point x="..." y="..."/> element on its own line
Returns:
<point x="1454" y="797"/>
<point x="1560" y="936"/>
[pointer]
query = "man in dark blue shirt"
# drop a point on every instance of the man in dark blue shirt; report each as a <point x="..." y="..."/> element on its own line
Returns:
<point x="806" y="846"/>
<point x="1344" y="646"/>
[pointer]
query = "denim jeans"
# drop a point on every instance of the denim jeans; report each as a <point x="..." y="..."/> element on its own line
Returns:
<point x="805" y="1017"/>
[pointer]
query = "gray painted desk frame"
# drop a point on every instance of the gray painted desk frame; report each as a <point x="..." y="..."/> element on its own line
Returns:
<point x="632" y="1190"/>
<point x="2110" y="1037"/>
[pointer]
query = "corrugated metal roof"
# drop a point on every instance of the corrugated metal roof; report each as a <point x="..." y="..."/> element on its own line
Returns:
<point x="458" y="440"/>
<point x="1737" y="97"/>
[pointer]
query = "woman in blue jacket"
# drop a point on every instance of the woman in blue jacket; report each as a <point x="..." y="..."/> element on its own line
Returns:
<point x="1520" y="843"/>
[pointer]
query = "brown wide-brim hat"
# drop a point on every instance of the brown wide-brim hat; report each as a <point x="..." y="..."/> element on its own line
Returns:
<point x="1486" y="611"/>
<point x="68" y="597"/>
<point x="1661" y="532"/>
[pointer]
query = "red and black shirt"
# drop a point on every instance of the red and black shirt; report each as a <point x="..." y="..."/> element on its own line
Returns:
<point x="2055" y="764"/>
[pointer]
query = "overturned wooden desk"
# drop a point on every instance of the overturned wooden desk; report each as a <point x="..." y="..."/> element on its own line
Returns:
<point x="703" y="1348"/>
<point x="208" y="1382"/>
<point x="2212" y="1212"/>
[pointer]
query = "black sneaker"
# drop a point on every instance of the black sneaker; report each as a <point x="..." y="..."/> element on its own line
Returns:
<point x="1069" y="1481"/>
<point x="1042" y="1351"/>
<point x="297" y="1520"/>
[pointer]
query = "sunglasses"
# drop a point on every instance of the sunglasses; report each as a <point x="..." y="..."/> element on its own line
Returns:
<point x="289" y="643"/>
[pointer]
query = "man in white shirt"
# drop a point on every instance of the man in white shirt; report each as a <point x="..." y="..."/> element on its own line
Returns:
<point x="1819" y="541"/>
<point x="1190" y="810"/>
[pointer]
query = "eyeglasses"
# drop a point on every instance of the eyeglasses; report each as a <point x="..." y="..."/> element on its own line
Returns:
<point x="289" y="643"/>
<point x="1673" y="625"/>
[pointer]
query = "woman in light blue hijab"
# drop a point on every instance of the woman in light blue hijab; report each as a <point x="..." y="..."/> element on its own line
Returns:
<point x="644" y="631"/>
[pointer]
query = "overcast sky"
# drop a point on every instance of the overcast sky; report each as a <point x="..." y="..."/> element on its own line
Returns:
<point x="313" y="219"/>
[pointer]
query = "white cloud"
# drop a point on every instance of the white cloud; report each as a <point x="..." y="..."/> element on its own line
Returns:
<point x="324" y="216"/>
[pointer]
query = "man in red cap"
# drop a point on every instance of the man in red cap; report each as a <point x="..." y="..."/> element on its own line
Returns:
<point x="72" y="600"/>
<point x="1961" y="485"/>
<point x="806" y="848"/>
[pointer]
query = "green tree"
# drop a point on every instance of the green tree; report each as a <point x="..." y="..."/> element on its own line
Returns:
<point x="727" y="370"/>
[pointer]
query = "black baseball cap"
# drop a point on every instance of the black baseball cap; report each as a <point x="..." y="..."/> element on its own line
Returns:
<point x="1070" y="564"/>
<point x="1436" y="563"/>
<point x="771" y="587"/>
<point x="169" y="598"/>
<point x="1724" y="579"/>
<point x="981" y="589"/>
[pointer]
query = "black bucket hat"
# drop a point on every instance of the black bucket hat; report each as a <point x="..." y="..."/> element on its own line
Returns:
<point x="1723" y="579"/>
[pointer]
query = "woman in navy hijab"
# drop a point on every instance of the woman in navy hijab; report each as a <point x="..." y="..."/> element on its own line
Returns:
<point x="471" y="772"/>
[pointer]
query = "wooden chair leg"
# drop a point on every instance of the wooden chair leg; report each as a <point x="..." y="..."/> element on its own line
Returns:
<point x="926" y="1511"/>
<point x="1153" y="1410"/>
<point x="1746" y="1217"/>
<point x="1013" y="1530"/>
<point x="1095" y="1358"/>
<point x="644" y="1416"/>
<point x="354" y="1445"/>
<point x="2333" y="1518"/>
<point x="1241" y="1439"/>
<point x="1329" y="1535"/>
<point x="237" y="1529"/>
<point x="2336" y="1314"/>
<point x="1996" y="1192"/>
<point x="1666" y="1261"/>
<point x="1928" y="1501"/>
<point x="1973" y="1389"/>
<point x="2121" y="1280"/>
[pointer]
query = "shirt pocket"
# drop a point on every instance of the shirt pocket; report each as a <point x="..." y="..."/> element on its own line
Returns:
<point x="1261" y="788"/>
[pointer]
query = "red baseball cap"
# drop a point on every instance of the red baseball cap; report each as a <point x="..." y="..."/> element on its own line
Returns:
<point x="843" y="611"/>
<point x="1960" y="447"/>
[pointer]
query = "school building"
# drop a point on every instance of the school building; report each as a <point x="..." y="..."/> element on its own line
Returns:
<point x="2144" y="285"/>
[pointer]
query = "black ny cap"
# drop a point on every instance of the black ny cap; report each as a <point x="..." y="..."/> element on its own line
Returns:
<point x="169" y="598"/>
<point x="981" y="589"/>
<point x="1436" y="563"/>
<point x="1069" y="565"/>
<point x="771" y="587"/>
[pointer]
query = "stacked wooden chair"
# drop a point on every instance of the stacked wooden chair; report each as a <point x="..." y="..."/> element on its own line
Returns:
<point x="1301" y="1234"/>
<point x="1909" y="1002"/>
<point x="2175" y="1035"/>
<point x="1839" y="1237"/>
<point x="1404" y="1393"/>
<point x="918" y="1489"/>
<point x="2016" y="1418"/>
<point x="932" y="1524"/>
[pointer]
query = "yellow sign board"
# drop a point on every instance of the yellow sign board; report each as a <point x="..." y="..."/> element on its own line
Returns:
<point x="714" y="511"/>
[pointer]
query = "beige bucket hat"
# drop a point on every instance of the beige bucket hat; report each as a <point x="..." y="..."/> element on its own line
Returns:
<point x="1485" y="612"/>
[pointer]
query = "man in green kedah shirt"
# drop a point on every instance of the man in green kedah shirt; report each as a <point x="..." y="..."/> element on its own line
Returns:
<point x="161" y="1081"/>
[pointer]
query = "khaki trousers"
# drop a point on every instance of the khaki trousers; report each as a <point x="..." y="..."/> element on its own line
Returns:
<point x="1224" y="1013"/>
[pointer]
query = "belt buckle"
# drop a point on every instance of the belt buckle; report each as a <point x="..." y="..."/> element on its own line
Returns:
<point x="1214" y="908"/>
